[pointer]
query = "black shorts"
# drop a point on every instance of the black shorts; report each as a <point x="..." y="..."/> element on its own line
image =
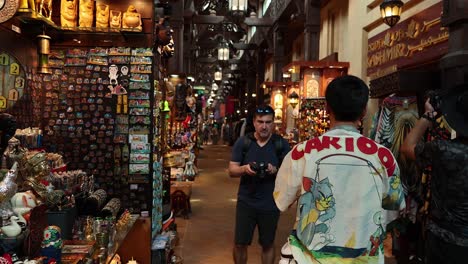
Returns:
<point x="246" y="220"/>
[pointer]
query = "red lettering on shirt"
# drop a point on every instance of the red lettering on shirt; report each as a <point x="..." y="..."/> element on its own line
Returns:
<point x="349" y="144"/>
<point x="327" y="141"/>
<point x="297" y="152"/>
<point x="367" y="146"/>
<point x="313" y="143"/>
<point x="387" y="159"/>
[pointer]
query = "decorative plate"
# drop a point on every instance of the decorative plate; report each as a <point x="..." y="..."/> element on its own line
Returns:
<point x="8" y="9"/>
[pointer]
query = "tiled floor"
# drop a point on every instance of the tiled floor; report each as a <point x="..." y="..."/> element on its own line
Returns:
<point x="207" y="236"/>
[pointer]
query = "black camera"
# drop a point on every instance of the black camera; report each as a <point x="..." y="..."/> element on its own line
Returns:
<point x="260" y="168"/>
<point x="435" y="99"/>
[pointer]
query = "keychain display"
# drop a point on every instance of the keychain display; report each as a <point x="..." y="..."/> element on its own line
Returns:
<point x="90" y="104"/>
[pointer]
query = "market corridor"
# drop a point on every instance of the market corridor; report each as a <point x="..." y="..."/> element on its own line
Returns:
<point x="207" y="236"/>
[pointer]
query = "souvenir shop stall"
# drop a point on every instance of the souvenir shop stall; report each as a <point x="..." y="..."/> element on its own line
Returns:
<point x="313" y="77"/>
<point x="83" y="171"/>
<point x="399" y="88"/>
<point x="182" y="136"/>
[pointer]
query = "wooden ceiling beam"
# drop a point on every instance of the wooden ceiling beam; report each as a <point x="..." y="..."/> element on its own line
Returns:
<point x="244" y="46"/>
<point x="258" y="22"/>
<point x="205" y="19"/>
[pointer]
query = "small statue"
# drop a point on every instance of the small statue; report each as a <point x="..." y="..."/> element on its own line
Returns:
<point x="13" y="229"/>
<point x="68" y="13"/>
<point x="35" y="165"/>
<point x="168" y="50"/>
<point x="86" y="13"/>
<point x="51" y="246"/>
<point x="102" y="16"/>
<point x="14" y="152"/>
<point x="115" y="19"/>
<point x="163" y="32"/>
<point x="131" y="19"/>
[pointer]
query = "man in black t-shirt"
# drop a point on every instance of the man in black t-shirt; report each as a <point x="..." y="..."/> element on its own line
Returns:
<point x="447" y="228"/>
<point x="256" y="160"/>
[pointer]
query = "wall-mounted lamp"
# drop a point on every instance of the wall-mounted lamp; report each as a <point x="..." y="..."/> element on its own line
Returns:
<point x="293" y="99"/>
<point x="391" y="11"/>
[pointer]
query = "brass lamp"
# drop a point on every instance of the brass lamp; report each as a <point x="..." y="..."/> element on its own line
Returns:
<point x="391" y="11"/>
<point x="293" y="99"/>
<point x="43" y="51"/>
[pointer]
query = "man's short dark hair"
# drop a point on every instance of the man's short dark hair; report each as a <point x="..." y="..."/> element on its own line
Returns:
<point x="347" y="97"/>
<point x="264" y="110"/>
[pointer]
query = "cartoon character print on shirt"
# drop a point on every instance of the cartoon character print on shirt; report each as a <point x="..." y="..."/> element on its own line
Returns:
<point x="316" y="207"/>
<point x="375" y="246"/>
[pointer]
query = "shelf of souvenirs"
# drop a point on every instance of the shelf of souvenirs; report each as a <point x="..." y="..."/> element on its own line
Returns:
<point x="29" y="16"/>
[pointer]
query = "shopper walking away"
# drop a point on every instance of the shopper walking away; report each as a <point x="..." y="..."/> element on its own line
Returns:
<point x="346" y="181"/>
<point x="256" y="158"/>
<point x="447" y="229"/>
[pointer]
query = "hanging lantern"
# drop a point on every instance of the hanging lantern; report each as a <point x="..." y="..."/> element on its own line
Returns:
<point x="223" y="52"/>
<point x="293" y="99"/>
<point x="218" y="75"/>
<point x="391" y="11"/>
<point x="43" y="50"/>
<point x="238" y="6"/>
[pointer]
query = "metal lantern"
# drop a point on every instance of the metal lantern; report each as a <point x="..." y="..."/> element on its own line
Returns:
<point x="293" y="99"/>
<point x="218" y="75"/>
<point x="223" y="52"/>
<point x="43" y="50"/>
<point x="238" y="6"/>
<point x="391" y="11"/>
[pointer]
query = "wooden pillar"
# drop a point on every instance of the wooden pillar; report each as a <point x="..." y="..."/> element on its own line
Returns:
<point x="311" y="30"/>
<point x="278" y="50"/>
<point x="176" y="63"/>
<point x="260" y="74"/>
<point x="454" y="65"/>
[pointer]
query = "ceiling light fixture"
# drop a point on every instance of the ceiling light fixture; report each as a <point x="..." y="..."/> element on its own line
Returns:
<point x="391" y="11"/>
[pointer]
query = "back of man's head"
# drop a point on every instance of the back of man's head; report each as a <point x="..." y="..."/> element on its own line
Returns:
<point x="347" y="98"/>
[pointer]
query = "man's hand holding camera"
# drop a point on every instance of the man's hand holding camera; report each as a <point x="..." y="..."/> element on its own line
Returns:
<point x="260" y="169"/>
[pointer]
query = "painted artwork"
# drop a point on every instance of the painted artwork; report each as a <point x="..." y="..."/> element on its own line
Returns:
<point x="278" y="115"/>
<point x="311" y="83"/>
<point x="312" y="88"/>
<point x="278" y="101"/>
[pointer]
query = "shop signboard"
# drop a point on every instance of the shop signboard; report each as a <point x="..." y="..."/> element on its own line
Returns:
<point x="416" y="40"/>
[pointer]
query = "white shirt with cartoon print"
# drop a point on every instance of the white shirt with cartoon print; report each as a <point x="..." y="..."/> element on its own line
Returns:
<point x="346" y="183"/>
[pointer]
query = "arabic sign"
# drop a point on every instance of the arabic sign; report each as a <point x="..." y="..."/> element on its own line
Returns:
<point x="413" y="41"/>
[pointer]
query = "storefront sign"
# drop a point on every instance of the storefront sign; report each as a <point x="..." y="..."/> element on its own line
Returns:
<point x="414" y="41"/>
